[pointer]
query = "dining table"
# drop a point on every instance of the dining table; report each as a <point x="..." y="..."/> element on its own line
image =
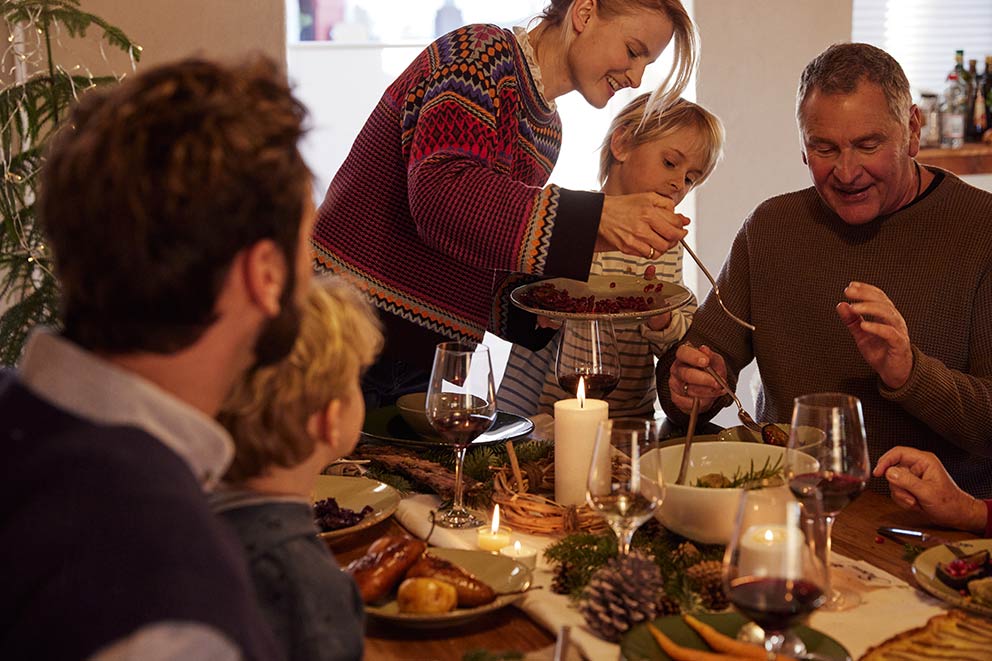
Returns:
<point x="510" y="629"/>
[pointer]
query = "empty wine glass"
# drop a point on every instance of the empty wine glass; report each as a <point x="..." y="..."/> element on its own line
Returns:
<point x="625" y="484"/>
<point x="771" y="573"/>
<point x="461" y="405"/>
<point x="828" y="455"/>
<point x="587" y="348"/>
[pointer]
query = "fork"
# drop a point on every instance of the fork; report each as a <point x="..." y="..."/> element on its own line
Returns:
<point x="716" y="292"/>
<point x="743" y="415"/>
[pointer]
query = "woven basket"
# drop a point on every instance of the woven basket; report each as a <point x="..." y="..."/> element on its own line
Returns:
<point x="518" y="491"/>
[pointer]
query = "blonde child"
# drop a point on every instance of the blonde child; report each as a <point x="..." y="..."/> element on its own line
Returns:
<point x="288" y="422"/>
<point x="669" y="152"/>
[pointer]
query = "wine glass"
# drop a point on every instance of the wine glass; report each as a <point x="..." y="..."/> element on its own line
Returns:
<point x="771" y="572"/>
<point x="827" y="455"/>
<point x="625" y="484"/>
<point x="460" y="405"/>
<point x="587" y="348"/>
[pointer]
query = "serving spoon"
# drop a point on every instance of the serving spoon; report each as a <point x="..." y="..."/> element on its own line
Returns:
<point x="770" y="432"/>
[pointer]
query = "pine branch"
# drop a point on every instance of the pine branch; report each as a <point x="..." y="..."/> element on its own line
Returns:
<point x="68" y="13"/>
<point x="29" y="117"/>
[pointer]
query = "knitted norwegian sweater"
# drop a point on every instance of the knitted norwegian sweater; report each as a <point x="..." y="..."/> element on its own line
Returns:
<point x="787" y="271"/>
<point x="442" y="192"/>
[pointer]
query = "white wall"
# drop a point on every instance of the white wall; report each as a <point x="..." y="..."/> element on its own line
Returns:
<point x="752" y="55"/>
<point x="168" y="29"/>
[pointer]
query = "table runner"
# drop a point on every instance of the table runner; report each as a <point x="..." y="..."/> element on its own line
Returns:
<point x="889" y="605"/>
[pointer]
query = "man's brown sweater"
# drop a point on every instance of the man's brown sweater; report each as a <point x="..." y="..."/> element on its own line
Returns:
<point x="787" y="270"/>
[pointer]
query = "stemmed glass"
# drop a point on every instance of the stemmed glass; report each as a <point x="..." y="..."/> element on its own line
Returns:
<point x="587" y="348"/>
<point x="461" y="405"/>
<point x="625" y="483"/>
<point x="771" y="573"/>
<point x="827" y="455"/>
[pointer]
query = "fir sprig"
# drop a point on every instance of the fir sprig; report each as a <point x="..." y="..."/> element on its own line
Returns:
<point x="578" y="556"/>
<point x="753" y="476"/>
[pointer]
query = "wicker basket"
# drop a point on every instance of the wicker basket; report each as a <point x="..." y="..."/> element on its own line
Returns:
<point x="518" y="492"/>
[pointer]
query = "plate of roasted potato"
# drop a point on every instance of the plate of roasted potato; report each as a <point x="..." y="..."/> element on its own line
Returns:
<point x="404" y="582"/>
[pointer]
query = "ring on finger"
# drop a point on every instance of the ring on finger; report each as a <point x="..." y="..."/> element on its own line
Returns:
<point x="685" y="388"/>
<point x="651" y="254"/>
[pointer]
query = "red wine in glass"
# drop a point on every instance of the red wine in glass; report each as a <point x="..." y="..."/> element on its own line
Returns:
<point x="775" y="604"/>
<point x="837" y="490"/>
<point x="461" y="427"/>
<point x="597" y="386"/>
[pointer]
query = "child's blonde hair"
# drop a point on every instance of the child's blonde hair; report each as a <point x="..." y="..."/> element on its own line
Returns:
<point x="267" y="413"/>
<point x="639" y="129"/>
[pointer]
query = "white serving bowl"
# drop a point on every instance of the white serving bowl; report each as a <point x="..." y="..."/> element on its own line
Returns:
<point x="703" y="514"/>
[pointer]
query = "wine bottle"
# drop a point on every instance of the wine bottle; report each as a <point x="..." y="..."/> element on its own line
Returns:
<point x="975" y="110"/>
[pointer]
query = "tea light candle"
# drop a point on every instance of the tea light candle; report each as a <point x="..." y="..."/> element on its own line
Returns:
<point x="493" y="537"/>
<point x="775" y="551"/>
<point x="576" y="421"/>
<point x="525" y="555"/>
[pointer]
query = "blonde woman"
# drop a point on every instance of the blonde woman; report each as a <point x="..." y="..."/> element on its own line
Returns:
<point x="668" y="152"/>
<point x="446" y="190"/>
<point x="288" y="422"/>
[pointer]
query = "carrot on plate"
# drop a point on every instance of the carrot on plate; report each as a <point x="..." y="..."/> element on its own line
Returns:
<point x="724" y="643"/>
<point x="679" y="653"/>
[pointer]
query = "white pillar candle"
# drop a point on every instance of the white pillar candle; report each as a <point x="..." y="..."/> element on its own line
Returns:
<point x="576" y="421"/>
<point x="774" y="551"/>
<point x="525" y="555"/>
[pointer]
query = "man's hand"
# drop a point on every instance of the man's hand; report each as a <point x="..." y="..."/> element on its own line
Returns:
<point x="879" y="331"/>
<point x="687" y="381"/>
<point x="919" y="481"/>
<point x="643" y="225"/>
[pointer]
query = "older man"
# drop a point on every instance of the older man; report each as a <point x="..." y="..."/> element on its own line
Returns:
<point x="874" y="282"/>
<point x="178" y="209"/>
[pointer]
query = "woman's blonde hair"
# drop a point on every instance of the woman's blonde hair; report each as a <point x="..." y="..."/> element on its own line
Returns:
<point x="639" y="126"/>
<point x="684" y="39"/>
<point x="267" y="413"/>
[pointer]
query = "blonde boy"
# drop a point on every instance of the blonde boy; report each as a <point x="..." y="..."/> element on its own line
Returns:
<point x="288" y="422"/>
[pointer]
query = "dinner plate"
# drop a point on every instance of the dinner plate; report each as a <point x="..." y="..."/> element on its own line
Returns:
<point x="670" y="297"/>
<point x="925" y="573"/>
<point x="638" y="643"/>
<point x="386" y="425"/>
<point x="355" y="493"/>
<point x="502" y="574"/>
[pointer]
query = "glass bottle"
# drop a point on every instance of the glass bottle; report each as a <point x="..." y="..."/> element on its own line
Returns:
<point x="953" y="111"/>
<point x="973" y="128"/>
<point x="930" y="129"/>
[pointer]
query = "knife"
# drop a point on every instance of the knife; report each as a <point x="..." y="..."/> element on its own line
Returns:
<point x="891" y="532"/>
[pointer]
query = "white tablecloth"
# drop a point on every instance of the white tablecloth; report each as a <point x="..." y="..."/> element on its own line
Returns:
<point x="889" y="605"/>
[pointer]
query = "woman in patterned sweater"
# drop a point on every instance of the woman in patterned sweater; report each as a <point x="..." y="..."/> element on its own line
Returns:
<point x="446" y="191"/>
<point x="670" y="152"/>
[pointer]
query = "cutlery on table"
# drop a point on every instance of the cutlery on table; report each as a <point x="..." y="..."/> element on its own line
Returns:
<point x="897" y="534"/>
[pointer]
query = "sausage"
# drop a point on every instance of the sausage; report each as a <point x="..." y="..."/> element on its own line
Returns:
<point x="471" y="591"/>
<point x="384" y="565"/>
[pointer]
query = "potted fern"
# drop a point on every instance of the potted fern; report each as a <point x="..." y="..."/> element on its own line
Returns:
<point x="32" y="111"/>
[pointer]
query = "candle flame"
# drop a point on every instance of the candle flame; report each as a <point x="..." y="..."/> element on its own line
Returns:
<point x="516" y="547"/>
<point x="580" y="392"/>
<point x="495" y="526"/>
<point x="769" y="536"/>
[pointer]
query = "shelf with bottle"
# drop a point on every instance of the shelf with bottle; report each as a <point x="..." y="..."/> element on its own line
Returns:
<point x="956" y="125"/>
<point x="971" y="158"/>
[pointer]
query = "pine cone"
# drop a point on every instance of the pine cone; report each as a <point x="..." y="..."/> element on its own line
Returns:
<point x="621" y="594"/>
<point x="667" y="606"/>
<point x="559" y="583"/>
<point x="707" y="580"/>
<point x="685" y="552"/>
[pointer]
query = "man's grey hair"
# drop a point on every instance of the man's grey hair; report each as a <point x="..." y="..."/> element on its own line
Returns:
<point x="841" y="67"/>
